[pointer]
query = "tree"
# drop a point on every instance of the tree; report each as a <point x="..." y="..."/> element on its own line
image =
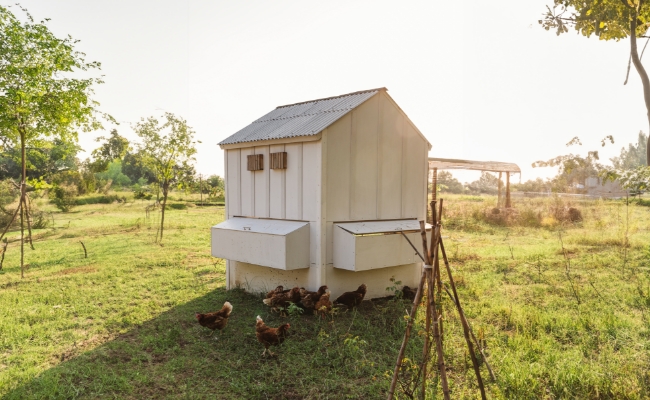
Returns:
<point x="448" y="183"/>
<point x="487" y="183"/>
<point x="609" y="20"/>
<point x="50" y="158"/>
<point x="632" y="157"/>
<point x="574" y="169"/>
<point x="133" y="168"/>
<point x="39" y="98"/>
<point x="169" y="155"/>
<point x="114" y="148"/>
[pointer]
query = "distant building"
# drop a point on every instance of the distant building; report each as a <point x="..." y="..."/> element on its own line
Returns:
<point x="596" y="187"/>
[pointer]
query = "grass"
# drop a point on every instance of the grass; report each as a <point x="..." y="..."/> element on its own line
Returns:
<point x="560" y="319"/>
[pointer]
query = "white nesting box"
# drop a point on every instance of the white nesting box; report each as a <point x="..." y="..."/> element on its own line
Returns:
<point x="318" y="193"/>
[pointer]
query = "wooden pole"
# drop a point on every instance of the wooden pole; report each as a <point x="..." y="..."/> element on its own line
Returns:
<point x="499" y="185"/>
<point x="429" y="280"/>
<point x="407" y="334"/>
<point x="464" y="323"/>
<point x="414" y="309"/>
<point x="471" y="332"/>
<point x="508" y="204"/>
<point x="437" y="337"/>
<point x="434" y="189"/>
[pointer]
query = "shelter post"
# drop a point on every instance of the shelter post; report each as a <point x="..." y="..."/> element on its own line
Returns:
<point x="499" y="185"/>
<point x="508" y="204"/>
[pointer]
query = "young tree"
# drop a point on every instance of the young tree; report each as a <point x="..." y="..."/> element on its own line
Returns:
<point x="609" y="20"/>
<point x="39" y="98"/>
<point x="168" y="150"/>
<point x="114" y="148"/>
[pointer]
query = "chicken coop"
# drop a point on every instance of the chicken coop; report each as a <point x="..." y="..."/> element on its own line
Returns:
<point x="319" y="193"/>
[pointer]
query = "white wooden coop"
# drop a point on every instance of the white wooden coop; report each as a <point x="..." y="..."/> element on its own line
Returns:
<point x="317" y="193"/>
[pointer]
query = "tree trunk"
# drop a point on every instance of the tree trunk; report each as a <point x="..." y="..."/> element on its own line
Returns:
<point x="165" y="191"/>
<point x="642" y="73"/>
<point x="21" y="203"/>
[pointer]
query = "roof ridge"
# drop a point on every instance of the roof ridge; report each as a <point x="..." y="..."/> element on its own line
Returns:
<point x="333" y="97"/>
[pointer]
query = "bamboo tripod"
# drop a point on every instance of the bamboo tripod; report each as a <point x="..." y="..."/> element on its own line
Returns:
<point x="431" y="276"/>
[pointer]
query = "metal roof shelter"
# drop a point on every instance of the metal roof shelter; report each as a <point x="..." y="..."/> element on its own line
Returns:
<point x="490" y="166"/>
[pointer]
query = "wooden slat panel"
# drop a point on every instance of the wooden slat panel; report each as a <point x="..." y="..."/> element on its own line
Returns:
<point x="279" y="160"/>
<point x="255" y="162"/>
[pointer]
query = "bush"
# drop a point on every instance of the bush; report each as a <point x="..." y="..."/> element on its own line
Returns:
<point x="176" y="206"/>
<point x="65" y="197"/>
<point x="104" y="199"/>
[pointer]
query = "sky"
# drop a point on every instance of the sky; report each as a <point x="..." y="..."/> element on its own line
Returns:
<point x="481" y="80"/>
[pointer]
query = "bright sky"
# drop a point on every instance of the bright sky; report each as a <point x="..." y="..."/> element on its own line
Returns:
<point x="482" y="80"/>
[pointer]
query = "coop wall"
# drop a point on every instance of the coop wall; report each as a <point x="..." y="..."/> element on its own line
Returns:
<point x="293" y="193"/>
<point x="376" y="163"/>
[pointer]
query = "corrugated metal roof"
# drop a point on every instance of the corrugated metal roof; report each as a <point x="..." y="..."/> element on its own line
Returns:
<point x="301" y="119"/>
<point x="492" y="166"/>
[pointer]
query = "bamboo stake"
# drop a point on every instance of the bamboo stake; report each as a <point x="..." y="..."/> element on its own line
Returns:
<point x="29" y="223"/>
<point x="477" y="371"/>
<point x="429" y="280"/>
<point x="10" y="222"/>
<point x="407" y="334"/>
<point x="436" y="331"/>
<point x="471" y="332"/>
<point x="436" y="268"/>
<point x="4" y="250"/>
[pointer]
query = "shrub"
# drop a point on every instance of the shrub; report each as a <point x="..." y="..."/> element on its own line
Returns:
<point x="65" y="197"/>
<point x="176" y="206"/>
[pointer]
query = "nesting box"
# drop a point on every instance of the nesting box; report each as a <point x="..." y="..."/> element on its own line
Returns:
<point x="322" y="193"/>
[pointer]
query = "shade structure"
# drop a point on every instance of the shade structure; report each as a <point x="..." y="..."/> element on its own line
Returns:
<point x="491" y="166"/>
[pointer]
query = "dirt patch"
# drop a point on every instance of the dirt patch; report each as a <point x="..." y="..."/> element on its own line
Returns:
<point x="77" y="270"/>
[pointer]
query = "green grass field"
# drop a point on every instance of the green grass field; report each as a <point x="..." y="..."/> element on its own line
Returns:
<point x="560" y="318"/>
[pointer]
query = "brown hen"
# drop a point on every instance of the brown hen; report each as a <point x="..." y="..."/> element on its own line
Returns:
<point x="324" y="305"/>
<point x="215" y="320"/>
<point x="352" y="299"/>
<point x="270" y="336"/>
<point x="283" y="299"/>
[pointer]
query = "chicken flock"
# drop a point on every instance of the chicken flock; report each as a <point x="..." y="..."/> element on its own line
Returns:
<point x="279" y="299"/>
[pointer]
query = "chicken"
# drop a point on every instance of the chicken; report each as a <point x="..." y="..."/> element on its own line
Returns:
<point x="409" y="293"/>
<point x="309" y="299"/>
<point x="283" y="299"/>
<point x="215" y="320"/>
<point x="352" y="299"/>
<point x="277" y="290"/>
<point x="324" y="305"/>
<point x="270" y="336"/>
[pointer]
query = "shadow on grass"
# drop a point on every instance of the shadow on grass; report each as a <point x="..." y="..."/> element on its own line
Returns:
<point x="172" y="356"/>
